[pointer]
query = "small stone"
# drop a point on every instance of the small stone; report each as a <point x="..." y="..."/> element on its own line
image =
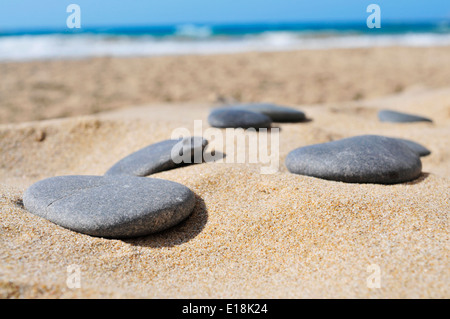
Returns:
<point x="39" y="136"/>
<point x="359" y="159"/>
<point x="112" y="207"/>
<point x="234" y="118"/>
<point x="162" y="156"/>
<point x="280" y="114"/>
<point x="399" y="117"/>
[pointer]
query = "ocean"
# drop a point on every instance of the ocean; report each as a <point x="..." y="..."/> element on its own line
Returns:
<point x="20" y="45"/>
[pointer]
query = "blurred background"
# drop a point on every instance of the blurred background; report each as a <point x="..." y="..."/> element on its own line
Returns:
<point x="282" y="51"/>
<point x="37" y="29"/>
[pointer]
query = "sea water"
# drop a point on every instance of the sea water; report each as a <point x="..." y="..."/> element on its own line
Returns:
<point x="17" y="45"/>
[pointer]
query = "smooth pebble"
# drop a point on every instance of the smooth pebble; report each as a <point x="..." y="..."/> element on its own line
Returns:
<point x="399" y="117"/>
<point x="234" y="118"/>
<point x="359" y="159"/>
<point x="161" y="156"/>
<point x="112" y="207"/>
<point x="277" y="113"/>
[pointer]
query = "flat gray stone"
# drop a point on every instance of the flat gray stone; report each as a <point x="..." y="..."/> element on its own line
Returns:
<point x="416" y="147"/>
<point x="359" y="159"/>
<point x="233" y="118"/>
<point x="399" y="117"/>
<point x="162" y="156"/>
<point x="112" y="207"/>
<point x="277" y="113"/>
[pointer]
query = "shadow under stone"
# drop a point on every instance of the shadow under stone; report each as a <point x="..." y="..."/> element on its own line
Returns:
<point x="213" y="156"/>
<point x="19" y="203"/>
<point x="422" y="177"/>
<point x="305" y="120"/>
<point x="178" y="234"/>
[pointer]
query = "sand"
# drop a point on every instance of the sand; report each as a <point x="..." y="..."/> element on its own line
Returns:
<point x="48" y="89"/>
<point x="251" y="235"/>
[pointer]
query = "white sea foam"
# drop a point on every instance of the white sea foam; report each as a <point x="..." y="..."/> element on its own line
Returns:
<point x="193" y="31"/>
<point x="194" y="40"/>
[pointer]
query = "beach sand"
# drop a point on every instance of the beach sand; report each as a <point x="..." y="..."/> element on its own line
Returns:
<point x="251" y="235"/>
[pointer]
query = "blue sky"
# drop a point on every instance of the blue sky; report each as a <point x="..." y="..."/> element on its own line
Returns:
<point x="39" y="14"/>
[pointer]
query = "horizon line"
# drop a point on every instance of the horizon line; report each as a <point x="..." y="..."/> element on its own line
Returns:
<point x="256" y="24"/>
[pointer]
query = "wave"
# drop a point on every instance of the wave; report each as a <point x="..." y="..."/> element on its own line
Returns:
<point x="193" y="31"/>
<point x="189" y="39"/>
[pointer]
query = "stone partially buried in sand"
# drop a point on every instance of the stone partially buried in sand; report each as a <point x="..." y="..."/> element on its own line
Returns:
<point x="234" y="118"/>
<point x="360" y="159"/>
<point x="399" y="117"/>
<point x="112" y="207"/>
<point x="161" y="156"/>
<point x="277" y="113"/>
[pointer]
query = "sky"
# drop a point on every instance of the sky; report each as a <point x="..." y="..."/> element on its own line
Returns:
<point x="44" y="14"/>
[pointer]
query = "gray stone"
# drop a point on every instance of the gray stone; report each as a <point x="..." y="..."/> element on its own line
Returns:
<point x="112" y="207"/>
<point x="416" y="147"/>
<point x="234" y="118"/>
<point x="275" y="112"/>
<point x="359" y="159"/>
<point x="399" y="117"/>
<point x="161" y="156"/>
